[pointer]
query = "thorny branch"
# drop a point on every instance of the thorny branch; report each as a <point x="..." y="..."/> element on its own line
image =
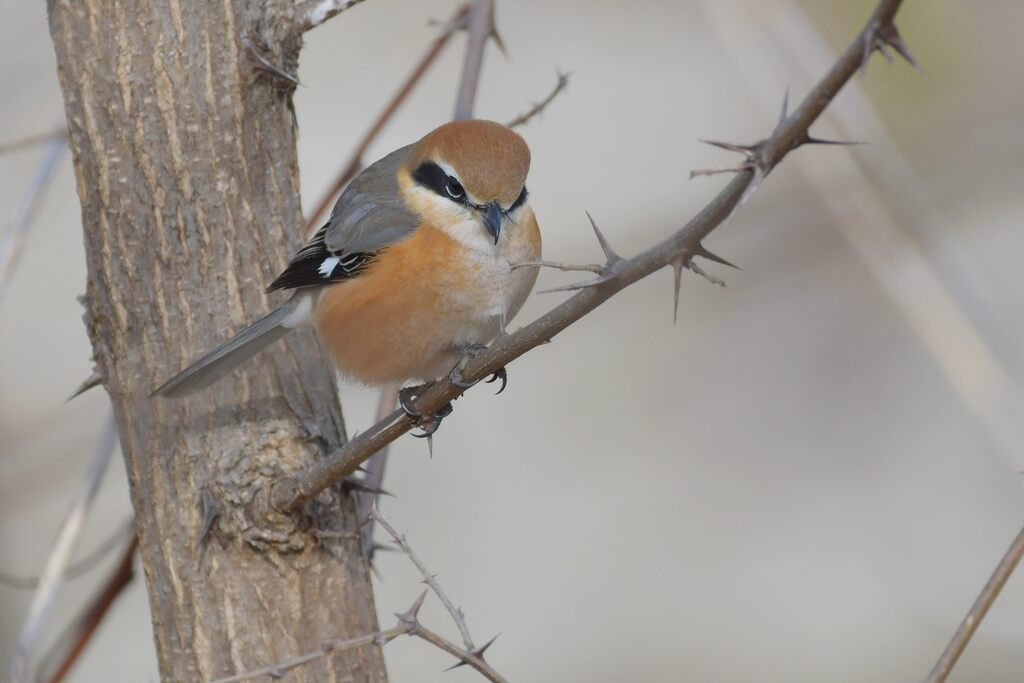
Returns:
<point x="978" y="611"/>
<point x="456" y="613"/>
<point x="538" y="108"/>
<point x="290" y="493"/>
<point x="408" y="624"/>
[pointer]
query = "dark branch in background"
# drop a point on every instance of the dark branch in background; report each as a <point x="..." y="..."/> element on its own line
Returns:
<point x="290" y="493"/>
<point x="356" y="161"/>
<point x="538" y="108"/>
<point x="480" y="24"/>
<point x="978" y="611"/>
<point x="72" y="643"/>
<point x="408" y="624"/>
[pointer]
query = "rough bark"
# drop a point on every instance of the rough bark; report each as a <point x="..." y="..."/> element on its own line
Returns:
<point x="186" y="168"/>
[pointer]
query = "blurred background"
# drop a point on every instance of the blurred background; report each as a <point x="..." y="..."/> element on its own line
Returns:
<point x="808" y="477"/>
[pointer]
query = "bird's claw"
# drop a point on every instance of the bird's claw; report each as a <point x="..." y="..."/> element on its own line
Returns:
<point x="456" y="378"/>
<point x="501" y="374"/>
<point x="428" y="424"/>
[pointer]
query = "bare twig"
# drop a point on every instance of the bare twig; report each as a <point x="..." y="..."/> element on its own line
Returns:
<point x="978" y="611"/>
<point x="408" y="624"/>
<point x="81" y="566"/>
<point x="538" y="108"/>
<point x="375" y="467"/>
<point x="480" y="24"/>
<point x="292" y="492"/>
<point x="33" y="140"/>
<point x="355" y="161"/>
<point x="456" y="613"/>
<point x="311" y="13"/>
<point x="13" y="235"/>
<point x="53" y="573"/>
<point x="69" y="647"/>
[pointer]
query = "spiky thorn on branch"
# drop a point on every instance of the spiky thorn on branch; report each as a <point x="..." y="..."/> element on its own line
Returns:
<point x="292" y="492"/>
<point x="756" y="162"/>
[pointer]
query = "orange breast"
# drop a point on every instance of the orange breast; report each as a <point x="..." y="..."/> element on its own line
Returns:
<point x="391" y="323"/>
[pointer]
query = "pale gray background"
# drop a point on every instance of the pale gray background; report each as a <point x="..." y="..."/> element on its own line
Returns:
<point x="781" y="487"/>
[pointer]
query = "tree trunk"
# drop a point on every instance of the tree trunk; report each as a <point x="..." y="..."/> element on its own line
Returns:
<point x="186" y="167"/>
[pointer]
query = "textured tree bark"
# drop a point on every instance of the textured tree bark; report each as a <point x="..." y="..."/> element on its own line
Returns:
<point x="186" y="168"/>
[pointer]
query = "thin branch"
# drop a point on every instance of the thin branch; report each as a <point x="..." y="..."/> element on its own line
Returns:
<point x="311" y="13"/>
<point x="457" y="616"/>
<point x="978" y="611"/>
<point x="72" y="643"/>
<point x="292" y="492"/>
<point x="60" y="556"/>
<point x="480" y="24"/>
<point x="538" y="108"/>
<point x="375" y="467"/>
<point x="33" y="140"/>
<point x="14" y="234"/>
<point x="81" y="566"/>
<point x="355" y="161"/>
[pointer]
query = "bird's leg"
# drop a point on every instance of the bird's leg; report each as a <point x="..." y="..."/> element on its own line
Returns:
<point x="469" y="352"/>
<point x="429" y="424"/>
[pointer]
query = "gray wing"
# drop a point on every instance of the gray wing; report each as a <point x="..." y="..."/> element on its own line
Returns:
<point x="370" y="213"/>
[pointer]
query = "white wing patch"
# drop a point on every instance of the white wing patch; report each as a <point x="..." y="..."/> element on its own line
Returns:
<point x="327" y="267"/>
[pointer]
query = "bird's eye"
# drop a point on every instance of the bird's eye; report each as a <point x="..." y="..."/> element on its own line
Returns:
<point x="454" y="188"/>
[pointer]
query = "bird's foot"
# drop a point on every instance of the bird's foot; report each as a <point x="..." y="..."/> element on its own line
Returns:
<point x="470" y="352"/>
<point x="427" y="423"/>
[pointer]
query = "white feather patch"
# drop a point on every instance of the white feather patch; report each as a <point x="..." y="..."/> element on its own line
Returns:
<point x="328" y="266"/>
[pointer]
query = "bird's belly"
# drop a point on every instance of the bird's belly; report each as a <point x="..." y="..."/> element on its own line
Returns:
<point x="408" y="316"/>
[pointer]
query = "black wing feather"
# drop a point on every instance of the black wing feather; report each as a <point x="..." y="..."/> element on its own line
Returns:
<point x="315" y="265"/>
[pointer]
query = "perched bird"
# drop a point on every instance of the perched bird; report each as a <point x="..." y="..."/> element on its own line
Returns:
<point x="413" y="272"/>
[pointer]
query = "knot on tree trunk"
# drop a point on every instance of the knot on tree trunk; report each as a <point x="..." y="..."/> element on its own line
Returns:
<point x="237" y="497"/>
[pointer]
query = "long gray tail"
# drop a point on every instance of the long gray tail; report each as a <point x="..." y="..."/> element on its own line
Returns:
<point x="243" y="346"/>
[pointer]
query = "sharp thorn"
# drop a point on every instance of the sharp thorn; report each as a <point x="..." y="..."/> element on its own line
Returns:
<point x="609" y="253"/>
<point x="93" y="380"/>
<point x="702" y="251"/>
<point x="809" y="140"/>
<point x="410" y="615"/>
<point x="430" y="445"/>
<point x="892" y="37"/>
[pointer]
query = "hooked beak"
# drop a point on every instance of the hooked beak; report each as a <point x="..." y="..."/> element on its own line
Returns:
<point x="492" y="220"/>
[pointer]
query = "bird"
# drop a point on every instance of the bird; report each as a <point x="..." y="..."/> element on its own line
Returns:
<point x="413" y="273"/>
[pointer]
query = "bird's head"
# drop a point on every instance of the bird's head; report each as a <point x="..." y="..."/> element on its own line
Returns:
<point x="469" y="166"/>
